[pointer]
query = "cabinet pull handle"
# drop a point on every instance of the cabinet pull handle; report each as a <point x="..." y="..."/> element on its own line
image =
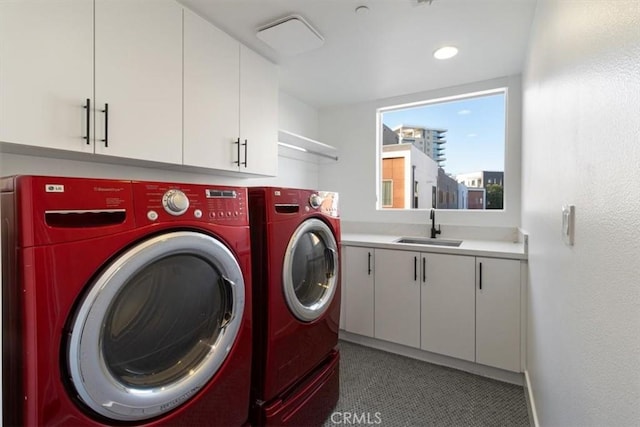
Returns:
<point x="480" y="281"/>
<point x="424" y="270"/>
<point x="415" y="268"/>
<point x="246" y="143"/>
<point x="87" y="106"/>
<point x="106" y="125"/>
<point x="369" y="264"/>
<point x="237" y="142"/>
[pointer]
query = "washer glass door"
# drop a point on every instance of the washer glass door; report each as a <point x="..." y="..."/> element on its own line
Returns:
<point x="156" y="325"/>
<point x="310" y="270"/>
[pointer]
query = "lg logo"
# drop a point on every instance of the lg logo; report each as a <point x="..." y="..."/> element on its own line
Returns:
<point x="351" y="418"/>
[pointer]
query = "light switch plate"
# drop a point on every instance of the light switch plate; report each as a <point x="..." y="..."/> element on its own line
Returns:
<point x="568" y="224"/>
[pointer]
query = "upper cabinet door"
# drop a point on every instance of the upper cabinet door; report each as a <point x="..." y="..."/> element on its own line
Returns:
<point x="46" y="73"/>
<point x="211" y="95"/>
<point x="258" y="114"/>
<point x="138" y="74"/>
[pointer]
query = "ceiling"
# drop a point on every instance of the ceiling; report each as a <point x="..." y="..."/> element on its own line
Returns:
<point x="387" y="51"/>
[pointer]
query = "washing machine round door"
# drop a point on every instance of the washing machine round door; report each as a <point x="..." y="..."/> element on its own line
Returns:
<point x="156" y="325"/>
<point x="310" y="270"/>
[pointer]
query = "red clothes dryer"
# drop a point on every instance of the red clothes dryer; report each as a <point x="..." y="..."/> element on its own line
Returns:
<point x="125" y="303"/>
<point x="295" y="237"/>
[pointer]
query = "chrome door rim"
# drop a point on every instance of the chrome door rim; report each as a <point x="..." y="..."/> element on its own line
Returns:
<point x="309" y="313"/>
<point x="92" y="379"/>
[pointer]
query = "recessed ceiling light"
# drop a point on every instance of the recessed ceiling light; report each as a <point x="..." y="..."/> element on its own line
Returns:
<point x="362" y="10"/>
<point x="445" y="52"/>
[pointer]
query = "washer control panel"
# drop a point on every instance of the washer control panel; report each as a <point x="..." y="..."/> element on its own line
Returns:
<point x="315" y="201"/>
<point x="161" y="202"/>
<point x="175" y="202"/>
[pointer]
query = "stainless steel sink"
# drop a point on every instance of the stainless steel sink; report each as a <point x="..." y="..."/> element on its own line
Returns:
<point x="428" y="241"/>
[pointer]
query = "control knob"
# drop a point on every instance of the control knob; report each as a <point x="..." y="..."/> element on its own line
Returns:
<point x="175" y="202"/>
<point x="315" y="201"/>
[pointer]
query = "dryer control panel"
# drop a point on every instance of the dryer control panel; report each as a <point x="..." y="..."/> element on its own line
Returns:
<point x="161" y="202"/>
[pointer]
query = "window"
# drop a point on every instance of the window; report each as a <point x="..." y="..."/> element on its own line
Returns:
<point x="456" y="143"/>
<point x="387" y="193"/>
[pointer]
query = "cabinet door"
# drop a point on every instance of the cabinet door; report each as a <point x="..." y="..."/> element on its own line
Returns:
<point x="258" y="114"/>
<point x="358" y="286"/>
<point x="397" y="297"/>
<point x="211" y="95"/>
<point x="498" y="313"/>
<point x="46" y="73"/>
<point x="448" y="305"/>
<point x="138" y="73"/>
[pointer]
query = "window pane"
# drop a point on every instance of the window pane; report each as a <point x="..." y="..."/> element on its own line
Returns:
<point x="387" y="193"/>
<point x="456" y="145"/>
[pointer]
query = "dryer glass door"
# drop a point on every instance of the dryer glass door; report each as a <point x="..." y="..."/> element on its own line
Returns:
<point x="156" y="325"/>
<point x="310" y="271"/>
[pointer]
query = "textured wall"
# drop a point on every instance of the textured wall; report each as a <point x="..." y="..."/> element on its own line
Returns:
<point x="581" y="145"/>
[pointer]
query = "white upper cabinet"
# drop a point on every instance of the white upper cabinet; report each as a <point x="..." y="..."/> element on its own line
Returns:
<point x="136" y="79"/>
<point x="230" y="102"/>
<point x="46" y="73"/>
<point x="138" y="74"/>
<point x="211" y="95"/>
<point x="258" y="114"/>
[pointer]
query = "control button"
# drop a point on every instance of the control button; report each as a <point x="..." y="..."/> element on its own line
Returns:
<point x="228" y="213"/>
<point x="212" y="214"/>
<point x="175" y="202"/>
<point x="315" y="201"/>
<point x="235" y="213"/>
<point x="152" y="215"/>
<point x="197" y="213"/>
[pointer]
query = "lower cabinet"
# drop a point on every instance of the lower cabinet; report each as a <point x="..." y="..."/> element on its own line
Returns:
<point x="498" y="313"/>
<point x="448" y="305"/>
<point x="397" y="297"/>
<point x="357" y="290"/>
<point x="461" y="306"/>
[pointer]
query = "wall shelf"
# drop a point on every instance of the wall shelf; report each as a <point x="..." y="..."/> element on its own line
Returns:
<point x="306" y="145"/>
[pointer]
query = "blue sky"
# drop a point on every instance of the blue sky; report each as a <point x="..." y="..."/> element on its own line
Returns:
<point x="476" y="130"/>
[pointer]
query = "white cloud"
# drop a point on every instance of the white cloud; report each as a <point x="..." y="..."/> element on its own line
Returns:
<point x="472" y="135"/>
<point x="464" y="112"/>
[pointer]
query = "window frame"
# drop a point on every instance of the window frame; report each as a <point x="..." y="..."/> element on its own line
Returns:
<point x="504" y="88"/>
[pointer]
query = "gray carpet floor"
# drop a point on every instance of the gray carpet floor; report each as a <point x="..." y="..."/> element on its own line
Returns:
<point x="384" y="389"/>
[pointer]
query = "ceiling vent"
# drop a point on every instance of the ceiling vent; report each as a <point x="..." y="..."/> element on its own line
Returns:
<point x="291" y="35"/>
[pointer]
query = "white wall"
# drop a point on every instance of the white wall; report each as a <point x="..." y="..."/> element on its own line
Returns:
<point x="352" y="129"/>
<point x="581" y="146"/>
<point x="293" y="171"/>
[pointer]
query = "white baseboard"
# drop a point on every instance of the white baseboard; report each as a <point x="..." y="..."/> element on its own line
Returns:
<point x="437" y="359"/>
<point x="531" y="403"/>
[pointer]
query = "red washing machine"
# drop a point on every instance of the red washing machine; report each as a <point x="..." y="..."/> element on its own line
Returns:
<point x="125" y="303"/>
<point x="295" y="237"/>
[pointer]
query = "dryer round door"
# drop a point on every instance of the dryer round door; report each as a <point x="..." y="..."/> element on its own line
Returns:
<point x="310" y="270"/>
<point x="156" y="325"/>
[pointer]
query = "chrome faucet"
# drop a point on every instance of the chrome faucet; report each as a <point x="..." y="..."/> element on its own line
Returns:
<point x="434" y="232"/>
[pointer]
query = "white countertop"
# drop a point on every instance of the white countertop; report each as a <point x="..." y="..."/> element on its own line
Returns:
<point x="485" y="248"/>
